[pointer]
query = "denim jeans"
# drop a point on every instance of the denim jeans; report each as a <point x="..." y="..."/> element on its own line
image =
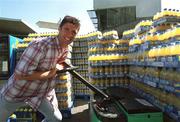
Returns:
<point x="46" y="108"/>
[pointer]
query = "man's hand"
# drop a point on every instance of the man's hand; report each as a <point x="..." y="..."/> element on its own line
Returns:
<point x="60" y="66"/>
<point x="51" y="73"/>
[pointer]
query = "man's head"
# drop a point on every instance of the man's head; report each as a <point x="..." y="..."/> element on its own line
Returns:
<point x="68" y="29"/>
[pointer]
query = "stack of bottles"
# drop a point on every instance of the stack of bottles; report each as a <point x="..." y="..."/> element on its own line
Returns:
<point x="25" y="114"/>
<point x="107" y="59"/>
<point x="127" y="36"/>
<point x="137" y="45"/>
<point x="32" y="36"/>
<point x="44" y="34"/>
<point x="4" y="58"/>
<point x="3" y="62"/>
<point x="142" y="27"/>
<point x="154" y="63"/>
<point x="64" y="91"/>
<point x="169" y="13"/>
<point x="168" y="49"/>
<point x="80" y="59"/>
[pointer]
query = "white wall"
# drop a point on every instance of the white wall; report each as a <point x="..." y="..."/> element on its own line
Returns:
<point x="144" y="8"/>
<point x="170" y="4"/>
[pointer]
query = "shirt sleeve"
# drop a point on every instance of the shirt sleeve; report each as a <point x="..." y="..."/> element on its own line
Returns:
<point x="29" y="59"/>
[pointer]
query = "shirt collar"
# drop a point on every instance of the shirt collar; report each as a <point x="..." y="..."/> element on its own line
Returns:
<point x="58" y="42"/>
<point x="59" y="45"/>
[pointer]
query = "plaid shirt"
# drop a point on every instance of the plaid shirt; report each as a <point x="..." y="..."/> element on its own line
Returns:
<point x="40" y="55"/>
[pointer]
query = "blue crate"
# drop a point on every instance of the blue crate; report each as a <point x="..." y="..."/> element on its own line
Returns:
<point x="153" y="84"/>
<point x="174" y="116"/>
<point x="66" y="113"/>
<point x="82" y="96"/>
<point x="173" y="64"/>
<point x="156" y="79"/>
<point x="165" y="20"/>
<point x="169" y="88"/>
<point x="157" y="64"/>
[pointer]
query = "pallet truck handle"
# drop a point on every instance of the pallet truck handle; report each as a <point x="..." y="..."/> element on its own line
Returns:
<point x="72" y="71"/>
<point x="66" y="69"/>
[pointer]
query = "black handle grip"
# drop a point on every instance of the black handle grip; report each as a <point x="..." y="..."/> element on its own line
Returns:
<point x="66" y="69"/>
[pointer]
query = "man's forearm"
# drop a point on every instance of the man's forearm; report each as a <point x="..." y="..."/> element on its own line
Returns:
<point x="36" y="75"/>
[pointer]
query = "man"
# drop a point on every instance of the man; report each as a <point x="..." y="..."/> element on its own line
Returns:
<point x="33" y="80"/>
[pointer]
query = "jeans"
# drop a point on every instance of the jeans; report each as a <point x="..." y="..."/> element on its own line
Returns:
<point x="46" y="108"/>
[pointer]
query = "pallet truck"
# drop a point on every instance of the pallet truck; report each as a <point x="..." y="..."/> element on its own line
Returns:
<point x="104" y="105"/>
<point x="117" y="104"/>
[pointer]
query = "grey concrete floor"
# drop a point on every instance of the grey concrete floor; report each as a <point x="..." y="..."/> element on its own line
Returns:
<point x="80" y="112"/>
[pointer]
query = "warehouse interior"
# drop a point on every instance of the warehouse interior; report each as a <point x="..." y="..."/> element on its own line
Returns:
<point x="130" y="63"/>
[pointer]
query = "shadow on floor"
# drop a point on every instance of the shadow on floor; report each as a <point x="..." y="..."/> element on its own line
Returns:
<point x="80" y="112"/>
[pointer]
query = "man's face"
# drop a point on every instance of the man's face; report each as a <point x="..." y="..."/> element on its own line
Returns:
<point x="67" y="33"/>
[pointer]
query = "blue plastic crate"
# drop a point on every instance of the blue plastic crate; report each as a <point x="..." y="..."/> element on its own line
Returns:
<point x="66" y="113"/>
<point x="82" y="96"/>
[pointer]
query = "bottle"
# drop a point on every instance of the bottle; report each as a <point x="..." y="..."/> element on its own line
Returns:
<point x="177" y="49"/>
<point x="12" y="118"/>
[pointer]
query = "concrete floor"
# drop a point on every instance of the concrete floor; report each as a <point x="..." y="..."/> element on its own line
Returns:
<point x="80" y="112"/>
